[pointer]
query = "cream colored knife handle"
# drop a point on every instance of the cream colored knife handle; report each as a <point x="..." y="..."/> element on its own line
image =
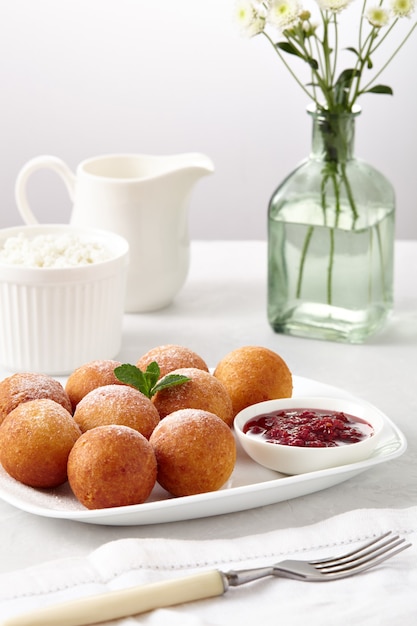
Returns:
<point x="131" y="601"/>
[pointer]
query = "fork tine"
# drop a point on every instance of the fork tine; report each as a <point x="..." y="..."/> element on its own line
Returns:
<point x="361" y="556"/>
<point x="352" y="553"/>
<point x="362" y="568"/>
<point x="363" y="563"/>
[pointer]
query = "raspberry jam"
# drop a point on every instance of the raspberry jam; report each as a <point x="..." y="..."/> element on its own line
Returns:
<point x="312" y="428"/>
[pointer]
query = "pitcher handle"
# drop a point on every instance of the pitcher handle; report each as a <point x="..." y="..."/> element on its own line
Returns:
<point x="40" y="162"/>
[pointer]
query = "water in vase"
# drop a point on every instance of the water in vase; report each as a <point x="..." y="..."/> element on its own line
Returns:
<point x="329" y="280"/>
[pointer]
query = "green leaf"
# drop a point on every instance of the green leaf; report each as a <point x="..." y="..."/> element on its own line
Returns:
<point x="312" y="63"/>
<point x="152" y="373"/>
<point x="346" y="77"/>
<point x="355" y="52"/>
<point x="147" y="382"/>
<point x="170" y="380"/>
<point x="286" y="46"/>
<point x="343" y="84"/>
<point x="381" y="89"/>
<point x="133" y="376"/>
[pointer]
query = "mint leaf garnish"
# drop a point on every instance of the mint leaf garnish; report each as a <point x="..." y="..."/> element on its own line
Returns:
<point x="170" y="380"/>
<point x="147" y="382"/>
<point x="152" y="374"/>
<point x="133" y="376"/>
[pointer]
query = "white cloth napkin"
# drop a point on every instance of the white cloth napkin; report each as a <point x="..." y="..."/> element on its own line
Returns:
<point x="386" y="594"/>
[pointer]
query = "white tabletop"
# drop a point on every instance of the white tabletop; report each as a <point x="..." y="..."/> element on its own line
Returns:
<point x="222" y="307"/>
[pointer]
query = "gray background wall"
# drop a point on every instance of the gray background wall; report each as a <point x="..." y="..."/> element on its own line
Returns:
<point x="85" y="77"/>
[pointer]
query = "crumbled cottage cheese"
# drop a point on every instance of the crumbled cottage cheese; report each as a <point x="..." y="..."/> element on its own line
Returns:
<point x="52" y="251"/>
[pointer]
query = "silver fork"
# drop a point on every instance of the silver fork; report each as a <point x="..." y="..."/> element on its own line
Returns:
<point x="135" y="600"/>
<point x="354" y="562"/>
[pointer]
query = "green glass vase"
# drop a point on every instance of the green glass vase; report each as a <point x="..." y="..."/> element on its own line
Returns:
<point x="331" y="240"/>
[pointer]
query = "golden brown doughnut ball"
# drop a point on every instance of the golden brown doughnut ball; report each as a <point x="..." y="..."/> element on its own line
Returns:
<point x="253" y="374"/>
<point x="203" y="391"/>
<point x="117" y="404"/>
<point x="171" y="357"/>
<point x="35" y="441"/>
<point x="90" y="376"/>
<point x="25" y="386"/>
<point x="111" y="466"/>
<point x="195" y="451"/>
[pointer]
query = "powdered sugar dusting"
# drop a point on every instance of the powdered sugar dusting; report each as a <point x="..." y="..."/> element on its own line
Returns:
<point x="25" y="386"/>
<point x="58" y="499"/>
<point x="171" y="357"/>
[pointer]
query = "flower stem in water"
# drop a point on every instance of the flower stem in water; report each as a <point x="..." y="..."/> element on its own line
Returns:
<point x="303" y="258"/>
<point x="330" y="267"/>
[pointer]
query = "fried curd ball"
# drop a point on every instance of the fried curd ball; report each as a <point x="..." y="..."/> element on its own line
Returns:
<point x="90" y="376"/>
<point x="111" y="466"/>
<point x="25" y="386"/>
<point x="195" y="452"/>
<point x="35" y="441"/>
<point x="202" y="391"/>
<point x="253" y="374"/>
<point x="117" y="404"/>
<point x="171" y="357"/>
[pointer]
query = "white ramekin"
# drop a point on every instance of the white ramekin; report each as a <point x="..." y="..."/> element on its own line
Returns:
<point x="299" y="460"/>
<point x="53" y="320"/>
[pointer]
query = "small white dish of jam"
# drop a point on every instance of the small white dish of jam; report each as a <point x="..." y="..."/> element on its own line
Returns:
<point x="299" y="435"/>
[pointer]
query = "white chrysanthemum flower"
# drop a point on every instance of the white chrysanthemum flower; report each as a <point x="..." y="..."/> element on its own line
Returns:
<point x="283" y="13"/>
<point x="333" y="5"/>
<point x="403" y="8"/>
<point x="377" y="16"/>
<point x="250" y="17"/>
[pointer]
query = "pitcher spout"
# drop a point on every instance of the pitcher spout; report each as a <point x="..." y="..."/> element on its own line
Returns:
<point x="199" y="162"/>
<point x="195" y="164"/>
<point x="174" y="176"/>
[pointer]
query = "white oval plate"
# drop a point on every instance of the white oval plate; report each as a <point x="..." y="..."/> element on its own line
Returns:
<point x="250" y="485"/>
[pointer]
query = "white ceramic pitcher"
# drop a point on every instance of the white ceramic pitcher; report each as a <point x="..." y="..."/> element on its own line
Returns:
<point x="144" y="199"/>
